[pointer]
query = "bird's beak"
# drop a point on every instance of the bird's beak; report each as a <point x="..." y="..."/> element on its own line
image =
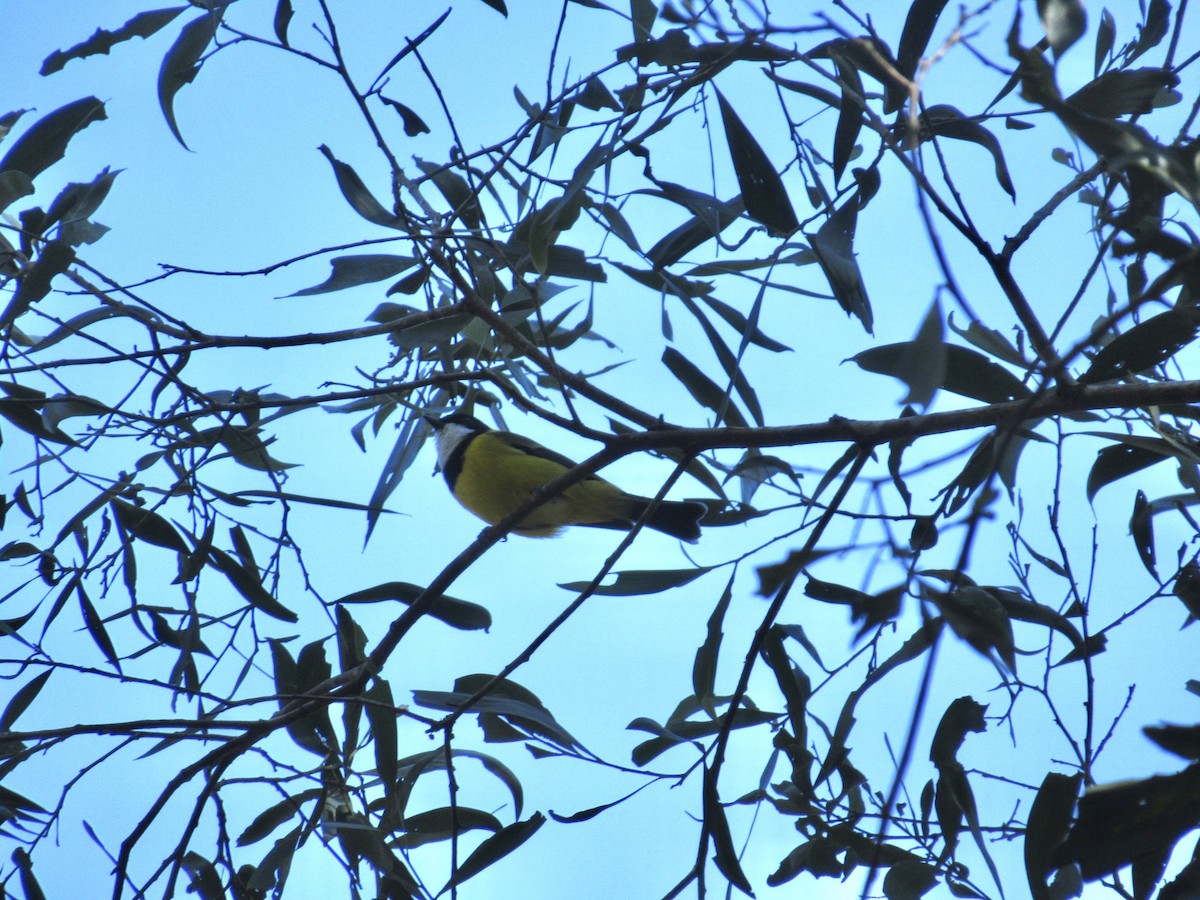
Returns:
<point x="433" y="421"/>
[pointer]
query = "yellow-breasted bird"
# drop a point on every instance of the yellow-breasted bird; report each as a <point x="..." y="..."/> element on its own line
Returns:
<point x="492" y="472"/>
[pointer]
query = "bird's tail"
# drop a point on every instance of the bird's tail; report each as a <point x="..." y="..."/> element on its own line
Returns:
<point x="678" y="518"/>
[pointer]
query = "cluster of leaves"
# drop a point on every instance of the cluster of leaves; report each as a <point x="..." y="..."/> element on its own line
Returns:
<point x="490" y="242"/>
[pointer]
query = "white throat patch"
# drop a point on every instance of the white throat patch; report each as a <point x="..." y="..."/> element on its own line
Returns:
<point x="448" y="438"/>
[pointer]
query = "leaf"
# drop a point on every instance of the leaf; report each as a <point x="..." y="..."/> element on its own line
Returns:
<point x="762" y="189"/>
<point x="283" y="18"/>
<point x="147" y="525"/>
<point x="21" y="700"/>
<point x="45" y="141"/>
<point x="1065" y="22"/>
<point x="1145" y="345"/>
<point x="498" y="6"/>
<point x="909" y="879"/>
<point x="205" y="880"/>
<point x="182" y="63"/>
<point x="703" y="389"/>
<point x="506" y="700"/>
<point x="29" y="884"/>
<point x="1106" y="34"/>
<point x="56" y="257"/>
<point x="725" y="854"/>
<point x="75" y="204"/>
<point x="946" y="121"/>
<point x="710" y="217"/>
<point x="729" y="362"/>
<point x="351" y="271"/>
<point x="458" y="193"/>
<point x="249" y="586"/>
<point x="979" y="619"/>
<point x="361" y="200"/>
<point x="274" y="816"/>
<point x="967" y="372"/>
<point x="13" y="186"/>
<point x="704" y="667"/>
<point x="1049" y="818"/>
<point x="413" y="124"/>
<point x="834" y="245"/>
<point x="1153" y="30"/>
<point x="1131" y="822"/>
<point x="850" y="113"/>
<point x="143" y="25"/>
<point x="641" y="581"/>
<point x="918" y="29"/>
<point x="381" y="713"/>
<point x="461" y="614"/>
<point x="1123" y="92"/>
<point x="495" y="848"/>
<point x="1141" y="527"/>
<point x="1116" y="461"/>
<point x="1181" y="740"/>
<point x="793" y="683"/>
<point x="95" y="627"/>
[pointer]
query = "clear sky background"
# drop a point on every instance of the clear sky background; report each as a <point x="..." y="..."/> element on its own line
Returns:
<point x="253" y="190"/>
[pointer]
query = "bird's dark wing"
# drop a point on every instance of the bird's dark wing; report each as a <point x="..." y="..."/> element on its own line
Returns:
<point x="533" y="448"/>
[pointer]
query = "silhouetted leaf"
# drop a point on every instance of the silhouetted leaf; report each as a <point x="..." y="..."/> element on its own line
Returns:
<point x="147" y="525"/>
<point x="22" y="698"/>
<point x="1106" y="34"/>
<point x="762" y="189"/>
<point x="413" y="124"/>
<point x="75" y="204"/>
<point x="95" y="627"/>
<point x="1153" y="30"/>
<point x="457" y="192"/>
<point x="182" y="63"/>
<point x="142" y="25"/>
<point x="637" y="582"/>
<point x="967" y="372"/>
<point x="351" y="271"/>
<point x="724" y="852"/>
<point x="704" y="667"/>
<point x="205" y="880"/>
<point x="1145" y="345"/>
<point x="1049" y="818"/>
<point x="710" y="217"/>
<point x="1131" y="822"/>
<point x="1141" y="527"/>
<point x="274" y="816"/>
<point x="283" y="18"/>
<point x="55" y="258"/>
<point x="249" y="586"/>
<point x="850" y="113"/>
<point x="381" y="713"/>
<point x="1117" y="460"/>
<point x="703" y="389"/>
<point x="1182" y="740"/>
<point x="1123" y="92"/>
<point x="946" y="121"/>
<point x="918" y="29"/>
<point x="461" y="614"/>
<point x="361" y="200"/>
<point x="45" y="141"/>
<point x="909" y="879"/>
<point x="13" y="186"/>
<point x="495" y="848"/>
<point x="834" y="245"/>
<point x="979" y="619"/>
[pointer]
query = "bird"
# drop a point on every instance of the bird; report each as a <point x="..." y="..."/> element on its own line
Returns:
<point x="493" y="472"/>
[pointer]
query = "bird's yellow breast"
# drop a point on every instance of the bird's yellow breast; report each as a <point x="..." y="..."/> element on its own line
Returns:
<point x="496" y="477"/>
